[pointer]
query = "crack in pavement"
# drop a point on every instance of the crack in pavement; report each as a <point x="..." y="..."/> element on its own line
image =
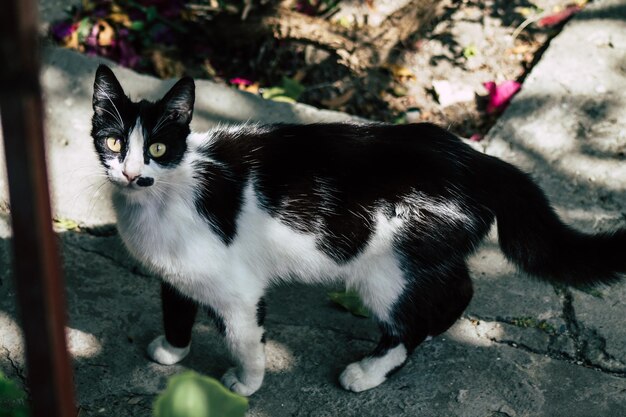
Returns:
<point x="16" y="368"/>
<point x="554" y="353"/>
<point x="590" y="346"/>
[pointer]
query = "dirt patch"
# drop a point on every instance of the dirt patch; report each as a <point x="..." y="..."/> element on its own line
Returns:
<point x="396" y="61"/>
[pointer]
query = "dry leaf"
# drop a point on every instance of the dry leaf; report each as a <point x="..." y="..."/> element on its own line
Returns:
<point x="106" y="34"/>
<point x="166" y="67"/>
<point x="120" y="18"/>
<point x="72" y="42"/>
<point x="252" y="88"/>
<point x="401" y="73"/>
<point x="340" y="100"/>
<point x="519" y="49"/>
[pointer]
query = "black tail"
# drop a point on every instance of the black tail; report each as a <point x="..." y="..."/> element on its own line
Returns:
<point x="534" y="237"/>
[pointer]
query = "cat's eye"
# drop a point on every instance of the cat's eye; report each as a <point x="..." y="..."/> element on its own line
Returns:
<point x="157" y="149"/>
<point x="114" y="144"/>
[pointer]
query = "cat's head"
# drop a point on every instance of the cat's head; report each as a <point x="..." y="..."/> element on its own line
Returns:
<point x="139" y="143"/>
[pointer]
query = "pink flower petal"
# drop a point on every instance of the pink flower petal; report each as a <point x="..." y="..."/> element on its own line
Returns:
<point x="559" y="17"/>
<point x="500" y="95"/>
<point x="240" y="81"/>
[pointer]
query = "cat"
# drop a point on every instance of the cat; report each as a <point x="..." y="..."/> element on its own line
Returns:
<point x="392" y="211"/>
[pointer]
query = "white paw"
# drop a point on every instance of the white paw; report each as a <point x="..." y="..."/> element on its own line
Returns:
<point x="160" y="351"/>
<point x="355" y="378"/>
<point x="233" y="383"/>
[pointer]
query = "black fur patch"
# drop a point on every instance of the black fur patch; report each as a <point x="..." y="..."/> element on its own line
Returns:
<point x="217" y="319"/>
<point x="261" y="312"/>
<point x="179" y="314"/>
<point x="329" y="179"/>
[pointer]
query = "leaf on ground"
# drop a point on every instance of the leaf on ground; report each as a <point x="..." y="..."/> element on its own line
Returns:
<point x="123" y="19"/>
<point x="289" y="91"/>
<point x="165" y="66"/>
<point x="340" y="100"/>
<point x="105" y="33"/>
<point x="400" y="73"/>
<point x="293" y="88"/>
<point x="193" y="395"/>
<point x="13" y="401"/>
<point x="528" y="11"/>
<point x="470" y="51"/>
<point x="350" y="301"/>
<point x="60" y="224"/>
<point x="84" y="29"/>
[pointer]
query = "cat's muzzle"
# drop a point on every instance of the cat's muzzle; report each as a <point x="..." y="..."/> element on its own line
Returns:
<point x="145" y="181"/>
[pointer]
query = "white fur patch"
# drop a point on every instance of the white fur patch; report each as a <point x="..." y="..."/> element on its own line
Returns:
<point x="160" y="351"/>
<point x="134" y="162"/>
<point x="372" y="371"/>
<point x="234" y="383"/>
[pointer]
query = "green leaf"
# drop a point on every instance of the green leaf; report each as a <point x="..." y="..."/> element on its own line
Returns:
<point x="84" y="29"/>
<point x="400" y="119"/>
<point x="350" y="301"/>
<point x="193" y="395"/>
<point x="13" y="401"/>
<point x="151" y="13"/>
<point x="289" y="91"/>
<point x="470" y="51"/>
<point x="64" y="225"/>
<point x="270" y="93"/>
<point x="137" y="25"/>
<point x="293" y="88"/>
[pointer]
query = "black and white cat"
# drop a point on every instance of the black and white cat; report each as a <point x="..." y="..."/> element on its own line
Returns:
<point x="391" y="211"/>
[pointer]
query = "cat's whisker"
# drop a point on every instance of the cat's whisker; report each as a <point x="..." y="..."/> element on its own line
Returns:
<point x="119" y="122"/>
<point x="119" y="116"/>
<point x="162" y="122"/>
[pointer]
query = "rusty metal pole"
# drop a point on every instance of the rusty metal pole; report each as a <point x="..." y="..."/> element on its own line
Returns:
<point x="38" y="279"/>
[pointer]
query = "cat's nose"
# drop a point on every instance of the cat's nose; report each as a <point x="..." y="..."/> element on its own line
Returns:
<point x="130" y="176"/>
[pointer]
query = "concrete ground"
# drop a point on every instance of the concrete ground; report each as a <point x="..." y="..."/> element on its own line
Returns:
<point x="522" y="348"/>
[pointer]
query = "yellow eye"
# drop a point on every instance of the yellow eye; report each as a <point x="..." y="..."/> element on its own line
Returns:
<point x="157" y="150"/>
<point x="114" y="144"/>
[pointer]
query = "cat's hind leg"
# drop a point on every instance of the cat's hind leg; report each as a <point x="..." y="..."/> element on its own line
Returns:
<point x="179" y="314"/>
<point x="431" y="300"/>
<point x="380" y="286"/>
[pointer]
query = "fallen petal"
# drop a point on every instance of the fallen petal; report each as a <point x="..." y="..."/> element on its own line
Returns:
<point x="240" y="81"/>
<point x="500" y="94"/>
<point x="559" y="17"/>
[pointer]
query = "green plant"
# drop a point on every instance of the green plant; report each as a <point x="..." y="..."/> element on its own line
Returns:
<point x="350" y="301"/>
<point x="193" y="395"/>
<point x="13" y="401"/>
<point x="289" y="91"/>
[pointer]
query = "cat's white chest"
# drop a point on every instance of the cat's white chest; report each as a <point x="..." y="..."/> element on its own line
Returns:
<point x="170" y="238"/>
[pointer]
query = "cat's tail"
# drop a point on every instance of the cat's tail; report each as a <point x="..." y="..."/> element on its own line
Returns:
<point x="536" y="239"/>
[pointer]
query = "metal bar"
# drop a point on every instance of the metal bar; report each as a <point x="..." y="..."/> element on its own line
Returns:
<point x="37" y="271"/>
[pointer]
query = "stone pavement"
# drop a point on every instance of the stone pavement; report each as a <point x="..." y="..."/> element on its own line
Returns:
<point x="523" y="348"/>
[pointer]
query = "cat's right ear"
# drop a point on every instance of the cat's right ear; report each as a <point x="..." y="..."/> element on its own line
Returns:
<point x="106" y="90"/>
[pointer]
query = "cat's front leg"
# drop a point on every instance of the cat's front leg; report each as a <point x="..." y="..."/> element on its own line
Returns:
<point x="245" y="339"/>
<point x="179" y="314"/>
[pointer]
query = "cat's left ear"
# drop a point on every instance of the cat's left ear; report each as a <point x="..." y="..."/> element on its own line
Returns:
<point x="178" y="102"/>
<point x="107" y="90"/>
